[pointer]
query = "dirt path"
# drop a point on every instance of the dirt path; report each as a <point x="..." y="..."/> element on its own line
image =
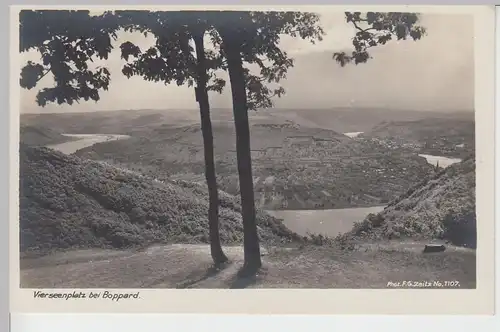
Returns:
<point x="189" y="266"/>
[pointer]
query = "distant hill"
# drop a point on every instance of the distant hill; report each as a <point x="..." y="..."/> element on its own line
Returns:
<point x="294" y="167"/>
<point x="358" y="118"/>
<point x="68" y="202"/>
<point x="128" y="121"/>
<point x="35" y="135"/>
<point x="299" y="161"/>
<point x="441" y="136"/>
<point x="442" y="207"/>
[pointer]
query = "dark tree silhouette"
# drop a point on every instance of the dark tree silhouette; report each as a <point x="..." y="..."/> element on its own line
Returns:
<point x="68" y="39"/>
<point x="374" y="29"/>
<point x="240" y="36"/>
<point x="66" y="50"/>
<point x="253" y="37"/>
<point x="208" y="142"/>
<point x="170" y="60"/>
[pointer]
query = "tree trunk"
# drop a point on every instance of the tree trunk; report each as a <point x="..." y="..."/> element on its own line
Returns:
<point x="218" y="255"/>
<point x="240" y="112"/>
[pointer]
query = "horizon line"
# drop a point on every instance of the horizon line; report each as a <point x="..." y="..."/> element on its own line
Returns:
<point x="468" y="110"/>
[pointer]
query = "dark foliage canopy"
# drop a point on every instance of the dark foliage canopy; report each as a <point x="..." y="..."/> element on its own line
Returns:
<point x="373" y="29"/>
<point x="258" y="33"/>
<point x="69" y="40"/>
<point x="66" y="41"/>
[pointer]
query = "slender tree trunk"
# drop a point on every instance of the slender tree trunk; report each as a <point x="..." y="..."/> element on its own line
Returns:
<point x="218" y="255"/>
<point x="240" y="112"/>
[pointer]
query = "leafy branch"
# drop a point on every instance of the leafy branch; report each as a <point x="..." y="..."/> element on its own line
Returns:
<point x="373" y="29"/>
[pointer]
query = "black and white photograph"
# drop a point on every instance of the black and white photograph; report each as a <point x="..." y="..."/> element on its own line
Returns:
<point x="246" y="149"/>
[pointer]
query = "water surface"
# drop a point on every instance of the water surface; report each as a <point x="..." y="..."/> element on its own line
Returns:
<point x="353" y="134"/>
<point x="84" y="141"/>
<point x="443" y="161"/>
<point x="329" y="222"/>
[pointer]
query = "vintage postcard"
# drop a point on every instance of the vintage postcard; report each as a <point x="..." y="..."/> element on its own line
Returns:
<point x="295" y="160"/>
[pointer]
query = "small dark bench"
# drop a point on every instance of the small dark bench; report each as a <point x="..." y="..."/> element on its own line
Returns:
<point x="434" y="248"/>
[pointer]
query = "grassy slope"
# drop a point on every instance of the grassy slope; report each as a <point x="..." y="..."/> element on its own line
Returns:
<point x="39" y="136"/>
<point x="440" y="207"/>
<point x="68" y="202"/>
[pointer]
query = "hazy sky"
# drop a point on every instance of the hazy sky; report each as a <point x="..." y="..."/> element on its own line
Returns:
<point x="436" y="72"/>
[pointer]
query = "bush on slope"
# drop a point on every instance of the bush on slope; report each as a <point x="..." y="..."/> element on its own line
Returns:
<point x="442" y="207"/>
<point x="68" y="202"/>
<point x="39" y="136"/>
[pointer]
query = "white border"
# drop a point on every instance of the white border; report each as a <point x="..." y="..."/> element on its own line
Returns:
<point x="479" y="301"/>
<point x="246" y="323"/>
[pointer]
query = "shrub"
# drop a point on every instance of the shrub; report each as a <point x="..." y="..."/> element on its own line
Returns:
<point x="70" y="202"/>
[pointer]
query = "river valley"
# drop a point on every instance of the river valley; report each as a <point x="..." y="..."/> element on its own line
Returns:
<point x="329" y="222"/>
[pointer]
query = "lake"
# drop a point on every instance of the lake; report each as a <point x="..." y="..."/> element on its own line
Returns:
<point x="84" y="141"/>
<point x="353" y="134"/>
<point x="329" y="222"/>
<point x="443" y="161"/>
